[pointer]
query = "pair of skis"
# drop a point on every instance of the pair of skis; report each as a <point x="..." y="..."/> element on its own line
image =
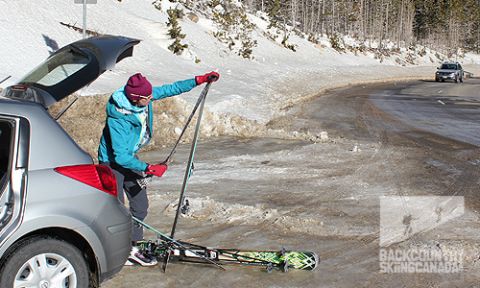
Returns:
<point x="167" y="248"/>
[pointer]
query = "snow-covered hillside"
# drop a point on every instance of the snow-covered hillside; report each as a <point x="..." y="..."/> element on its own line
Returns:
<point x="256" y="89"/>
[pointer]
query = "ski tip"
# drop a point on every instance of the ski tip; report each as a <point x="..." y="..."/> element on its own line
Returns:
<point x="317" y="260"/>
<point x="303" y="260"/>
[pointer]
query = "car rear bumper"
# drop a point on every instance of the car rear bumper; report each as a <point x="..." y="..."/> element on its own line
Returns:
<point x="115" y="238"/>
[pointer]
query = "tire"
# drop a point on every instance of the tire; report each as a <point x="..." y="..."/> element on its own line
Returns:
<point x="29" y="258"/>
<point x="436" y="80"/>
<point x="461" y="79"/>
<point x="456" y="79"/>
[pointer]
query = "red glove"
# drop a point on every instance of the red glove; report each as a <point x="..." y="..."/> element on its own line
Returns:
<point x="209" y="78"/>
<point x="156" y="169"/>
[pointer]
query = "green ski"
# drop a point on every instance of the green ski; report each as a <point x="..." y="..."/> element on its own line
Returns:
<point x="181" y="251"/>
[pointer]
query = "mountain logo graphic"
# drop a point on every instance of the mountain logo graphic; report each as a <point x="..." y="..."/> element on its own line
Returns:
<point x="403" y="217"/>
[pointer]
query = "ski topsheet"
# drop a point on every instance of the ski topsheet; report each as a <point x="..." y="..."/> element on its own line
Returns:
<point x="176" y="250"/>
<point x="282" y="260"/>
<point x="302" y="260"/>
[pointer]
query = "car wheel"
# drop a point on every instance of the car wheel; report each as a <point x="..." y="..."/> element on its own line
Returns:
<point x="456" y="79"/>
<point x="461" y="79"/>
<point x="436" y="79"/>
<point x="443" y="80"/>
<point x="45" y="262"/>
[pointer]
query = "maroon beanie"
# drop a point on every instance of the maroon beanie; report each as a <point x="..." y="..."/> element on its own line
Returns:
<point x="137" y="84"/>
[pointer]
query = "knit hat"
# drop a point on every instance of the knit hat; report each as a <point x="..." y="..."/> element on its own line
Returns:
<point x="137" y="85"/>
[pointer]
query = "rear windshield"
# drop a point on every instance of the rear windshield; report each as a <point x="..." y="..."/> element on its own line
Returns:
<point x="5" y="151"/>
<point x="449" y="66"/>
<point x="57" y="68"/>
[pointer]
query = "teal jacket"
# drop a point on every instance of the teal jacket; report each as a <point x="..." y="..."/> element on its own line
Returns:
<point x="122" y="136"/>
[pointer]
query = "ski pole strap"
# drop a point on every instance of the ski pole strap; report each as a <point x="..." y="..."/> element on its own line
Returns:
<point x="190" y="117"/>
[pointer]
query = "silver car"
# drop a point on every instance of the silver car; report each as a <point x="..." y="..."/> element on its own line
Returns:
<point x="449" y="71"/>
<point x="61" y="222"/>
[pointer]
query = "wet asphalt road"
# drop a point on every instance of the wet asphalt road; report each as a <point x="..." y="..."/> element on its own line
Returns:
<point x="442" y="108"/>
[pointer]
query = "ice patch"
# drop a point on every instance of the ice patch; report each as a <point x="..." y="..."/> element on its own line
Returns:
<point x="206" y="209"/>
<point x="210" y="210"/>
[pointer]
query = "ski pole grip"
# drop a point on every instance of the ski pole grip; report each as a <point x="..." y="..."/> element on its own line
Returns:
<point x="212" y="78"/>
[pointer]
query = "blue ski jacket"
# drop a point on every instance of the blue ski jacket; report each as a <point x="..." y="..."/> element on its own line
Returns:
<point x="125" y="132"/>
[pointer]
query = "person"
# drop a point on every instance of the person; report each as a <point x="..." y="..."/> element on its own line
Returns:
<point x="128" y="128"/>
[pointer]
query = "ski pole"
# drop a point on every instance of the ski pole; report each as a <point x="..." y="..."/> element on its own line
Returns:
<point x="189" y="165"/>
<point x="173" y="241"/>
<point x="190" y="117"/>
<point x="190" y="159"/>
<point x="143" y="181"/>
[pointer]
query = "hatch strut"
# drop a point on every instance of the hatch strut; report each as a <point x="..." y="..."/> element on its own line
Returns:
<point x="60" y="114"/>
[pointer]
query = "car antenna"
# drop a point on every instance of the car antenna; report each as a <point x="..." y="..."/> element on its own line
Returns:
<point x="66" y="108"/>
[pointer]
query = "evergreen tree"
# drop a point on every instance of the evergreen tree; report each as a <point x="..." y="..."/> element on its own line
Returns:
<point x="175" y="31"/>
<point x="273" y="12"/>
<point x="439" y="24"/>
<point x="234" y="27"/>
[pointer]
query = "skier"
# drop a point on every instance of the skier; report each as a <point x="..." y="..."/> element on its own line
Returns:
<point x="128" y="128"/>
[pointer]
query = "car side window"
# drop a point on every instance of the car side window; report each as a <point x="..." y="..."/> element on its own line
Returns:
<point x="5" y="152"/>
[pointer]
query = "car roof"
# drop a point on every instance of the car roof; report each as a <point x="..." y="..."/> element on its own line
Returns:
<point x="17" y="107"/>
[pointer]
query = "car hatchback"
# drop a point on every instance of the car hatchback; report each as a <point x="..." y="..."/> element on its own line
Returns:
<point x="61" y="223"/>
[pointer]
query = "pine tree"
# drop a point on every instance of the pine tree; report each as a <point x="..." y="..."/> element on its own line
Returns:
<point x="439" y="24"/>
<point x="175" y="31"/>
<point x="157" y="4"/>
<point x="273" y="12"/>
<point x="234" y="27"/>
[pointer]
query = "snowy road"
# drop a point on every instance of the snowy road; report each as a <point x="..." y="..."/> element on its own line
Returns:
<point x="324" y="196"/>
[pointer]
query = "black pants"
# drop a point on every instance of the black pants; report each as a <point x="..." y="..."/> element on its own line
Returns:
<point x="137" y="196"/>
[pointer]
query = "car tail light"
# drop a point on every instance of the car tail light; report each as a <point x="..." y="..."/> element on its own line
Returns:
<point x="97" y="176"/>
